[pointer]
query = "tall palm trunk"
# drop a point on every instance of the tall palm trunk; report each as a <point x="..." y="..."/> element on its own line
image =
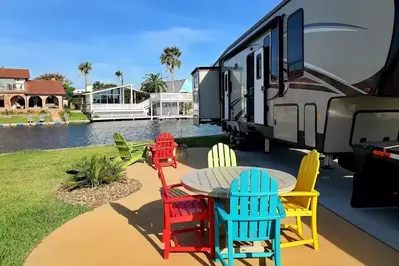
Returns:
<point x="86" y="80"/>
<point x="172" y="71"/>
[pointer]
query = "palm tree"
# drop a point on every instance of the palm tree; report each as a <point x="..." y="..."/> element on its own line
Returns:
<point x="170" y="58"/>
<point x="119" y="75"/>
<point x="153" y="83"/>
<point x="84" y="69"/>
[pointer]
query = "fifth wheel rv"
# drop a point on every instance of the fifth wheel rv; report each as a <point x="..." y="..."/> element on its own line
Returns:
<point x="317" y="74"/>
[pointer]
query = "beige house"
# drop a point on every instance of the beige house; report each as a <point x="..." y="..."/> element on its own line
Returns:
<point x="19" y="94"/>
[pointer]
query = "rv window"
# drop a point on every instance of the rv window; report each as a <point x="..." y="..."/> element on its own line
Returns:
<point x="295" y="59"/>
<point x="266" y="41"/>
<point x="274" y="55"/>
<point x="259" y="66"/>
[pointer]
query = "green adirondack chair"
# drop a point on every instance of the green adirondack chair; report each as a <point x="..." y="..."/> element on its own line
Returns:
<point x="128" y="152"/>
<point x="221" y="156"/>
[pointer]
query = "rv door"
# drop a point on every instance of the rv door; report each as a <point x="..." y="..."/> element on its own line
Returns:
<point x="226" y="86"/>
<point x="259" y="86"/>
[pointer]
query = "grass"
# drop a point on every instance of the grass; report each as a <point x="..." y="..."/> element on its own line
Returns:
<point x="75" y="116"/>
<point x="13" y="119"/>
<point x="29" y="209"/>
<point x="205" y="141"/>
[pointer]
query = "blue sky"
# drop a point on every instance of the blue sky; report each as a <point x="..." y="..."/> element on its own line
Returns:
<point x="127" y="35"/>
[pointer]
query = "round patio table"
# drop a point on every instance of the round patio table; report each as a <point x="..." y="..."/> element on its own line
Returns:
<point x="216" y="182"/>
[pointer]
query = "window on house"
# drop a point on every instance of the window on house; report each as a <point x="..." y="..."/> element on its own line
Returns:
<point x="259" y="66"/>
<point x="295" y="58"/>
<point x="274" y="55"/>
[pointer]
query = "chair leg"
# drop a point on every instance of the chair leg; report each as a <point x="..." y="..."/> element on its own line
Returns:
<point x="299" y="225"/>
<point x="230" y="249"/>
<point x="212" y="227"/>
<point x="314" y="224"/>
<point x="167" y="242"/>
<point x="276" y="244"/>
<point x="164" y="226"/>
<point x="216" y="236"/>
<point x="166" y="232"/>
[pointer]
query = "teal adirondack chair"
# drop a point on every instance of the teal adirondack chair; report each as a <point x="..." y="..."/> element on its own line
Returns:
<point x="128" y="152"/>
<point x="255" y="214"/>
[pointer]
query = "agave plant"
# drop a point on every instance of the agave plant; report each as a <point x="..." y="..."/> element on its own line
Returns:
<point x="95" y="171"/>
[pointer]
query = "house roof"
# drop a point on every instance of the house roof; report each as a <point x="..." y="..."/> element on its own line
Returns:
<point x="44" y="87"/>
<point x="14" y="73"/>
<point x="178" y="86"/>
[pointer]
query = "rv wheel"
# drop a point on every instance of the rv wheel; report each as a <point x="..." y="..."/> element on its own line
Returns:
<point x="232" y="137"/>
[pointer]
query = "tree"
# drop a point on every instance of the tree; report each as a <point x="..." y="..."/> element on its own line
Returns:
<point x="50" y="76"/>
<point x="153" y="83"/>
<point x="170" y="58"/>
<point x="97" y="85"/>
<point x="119" y="75"/>
<point x="84" y="69"/>
<point x="69" y="89"/>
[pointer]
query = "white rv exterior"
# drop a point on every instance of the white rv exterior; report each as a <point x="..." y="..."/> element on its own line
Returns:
<point x="314" y="73"/>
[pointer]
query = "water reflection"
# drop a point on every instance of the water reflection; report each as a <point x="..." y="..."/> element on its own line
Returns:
<point x="52" y="137"/>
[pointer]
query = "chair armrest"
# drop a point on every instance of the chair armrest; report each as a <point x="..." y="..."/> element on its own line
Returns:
<point x="220" y="210"/>
<point x="281" y="209"/>
<point x="313" y="193"/>
<point x="186" y="198"/>
<point x="175" y="185"/>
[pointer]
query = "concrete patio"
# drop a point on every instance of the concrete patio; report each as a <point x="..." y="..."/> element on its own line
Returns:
<point x="128" y="232"/>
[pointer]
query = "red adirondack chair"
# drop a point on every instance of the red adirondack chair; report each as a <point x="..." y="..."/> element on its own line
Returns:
<point x="180" y="209"/>
<point x="164" y="150"/>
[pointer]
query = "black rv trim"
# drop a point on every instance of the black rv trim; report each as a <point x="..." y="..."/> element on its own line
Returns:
<point x="303" y="46"/>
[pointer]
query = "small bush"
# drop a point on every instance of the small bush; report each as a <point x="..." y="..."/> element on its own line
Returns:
<point x="95" y="171"/>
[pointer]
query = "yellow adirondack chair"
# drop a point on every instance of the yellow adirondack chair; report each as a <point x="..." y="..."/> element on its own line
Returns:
<point x="221" y="156"/>
<point x="302" y="201"/>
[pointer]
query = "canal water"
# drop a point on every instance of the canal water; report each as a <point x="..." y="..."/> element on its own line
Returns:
<point x="66" y="136"/>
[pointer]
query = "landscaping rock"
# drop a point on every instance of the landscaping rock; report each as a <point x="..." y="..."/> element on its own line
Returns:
<point x="95" y="197"/>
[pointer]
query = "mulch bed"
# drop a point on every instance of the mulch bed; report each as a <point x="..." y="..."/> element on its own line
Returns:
<point x="95" y="197"/>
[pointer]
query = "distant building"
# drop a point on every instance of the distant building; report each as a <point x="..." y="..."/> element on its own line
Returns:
<point x="125" y="102"/>
<point x="18" y="93"/>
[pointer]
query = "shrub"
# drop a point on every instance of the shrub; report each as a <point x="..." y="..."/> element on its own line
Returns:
<point x="43" y="112"/>
<point x="95" y="171"/>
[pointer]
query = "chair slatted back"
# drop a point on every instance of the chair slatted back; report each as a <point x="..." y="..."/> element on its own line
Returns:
<point x="307" y="175"/>
<point x="164" y="146"/>
<point x="253" y="201"/>
<point x="122" y="146"/>
<point x="221" y="156"/>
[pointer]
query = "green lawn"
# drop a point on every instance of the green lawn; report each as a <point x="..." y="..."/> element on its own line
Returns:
<point x="74" y="116"/>
<point x="29" y="209"/>
<point x="13" y="119"/>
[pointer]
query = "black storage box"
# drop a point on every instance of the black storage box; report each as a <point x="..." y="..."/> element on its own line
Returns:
<point x="376" y="181"/>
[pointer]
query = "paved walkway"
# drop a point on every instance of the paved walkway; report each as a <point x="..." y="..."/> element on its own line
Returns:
<point x="128" y="232"/>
